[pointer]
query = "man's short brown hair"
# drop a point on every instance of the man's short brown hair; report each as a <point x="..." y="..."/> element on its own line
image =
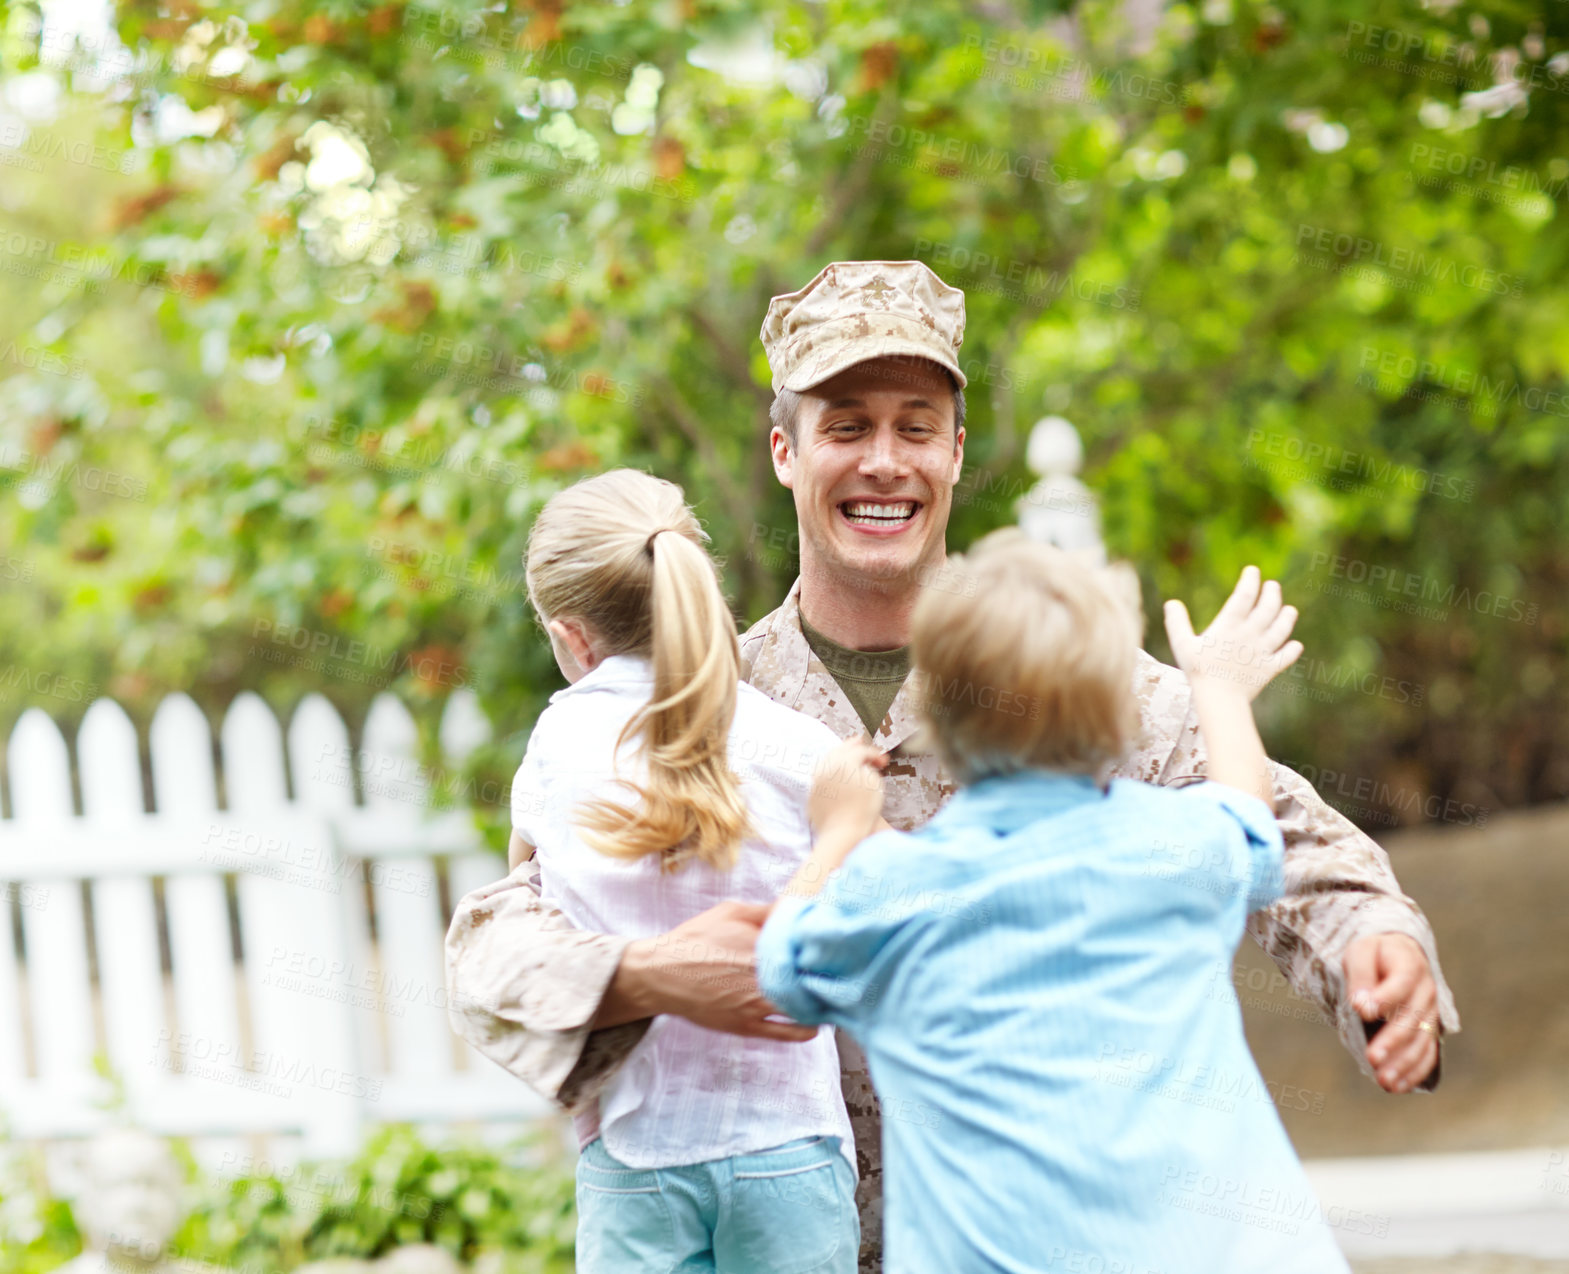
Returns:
<point x="1026" y="655"/>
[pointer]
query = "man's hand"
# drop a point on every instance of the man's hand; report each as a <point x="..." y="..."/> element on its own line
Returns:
<point x="1387" y="977"/>
<point x="703" y="971"/>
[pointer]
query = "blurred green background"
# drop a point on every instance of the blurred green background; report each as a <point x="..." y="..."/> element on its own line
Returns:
<point x="304" y="308"/>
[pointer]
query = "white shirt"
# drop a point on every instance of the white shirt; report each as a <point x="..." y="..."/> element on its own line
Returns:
<point x="686" y="1094"/>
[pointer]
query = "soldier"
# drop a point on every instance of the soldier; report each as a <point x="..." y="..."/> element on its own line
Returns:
<point x="868" y="434"/>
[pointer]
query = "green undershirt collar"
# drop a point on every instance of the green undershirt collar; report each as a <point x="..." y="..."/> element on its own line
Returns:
<point x="870" y="679"/>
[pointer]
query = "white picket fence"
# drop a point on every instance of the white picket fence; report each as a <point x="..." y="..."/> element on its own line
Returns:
<point x="324" y="1013"/>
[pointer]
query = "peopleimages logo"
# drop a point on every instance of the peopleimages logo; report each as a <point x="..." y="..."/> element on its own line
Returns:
<point x="1038" y="70"/>
<point x="35" y="358"/>
<point x="983" y="272"/>
<point x="1341" y="469"/>
<point x="1394" y="370"/>
<point x="1359" y="250"/>
<point x="1378" y="801"/>
<point x="14" y="135"/>
<point x="45" y="684"/>
<point x="1310" y="676"/>
<point x="1376" y="579"/>
<point x="316" y="650"/>
<point x="1482" y="170"/>
<point x="46" y="472"/>
<point x="954" y="157"/>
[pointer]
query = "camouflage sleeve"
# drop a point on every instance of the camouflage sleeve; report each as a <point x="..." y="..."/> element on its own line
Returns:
<point x="523" y="986"/>
<point x="1339" y="887"/>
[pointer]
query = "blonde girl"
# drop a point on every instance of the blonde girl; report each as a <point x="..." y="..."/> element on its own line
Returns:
<point x="655" y="786"/>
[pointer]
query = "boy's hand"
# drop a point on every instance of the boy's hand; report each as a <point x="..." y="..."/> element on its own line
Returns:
<point x="1246" y="647"/>
<point x="847" y="790"/>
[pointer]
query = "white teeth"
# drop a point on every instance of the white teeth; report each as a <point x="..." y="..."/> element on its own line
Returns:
<point x="872" y="514"/>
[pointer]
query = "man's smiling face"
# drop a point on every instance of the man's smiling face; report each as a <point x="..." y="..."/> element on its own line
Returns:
<point x="872" y="468"/>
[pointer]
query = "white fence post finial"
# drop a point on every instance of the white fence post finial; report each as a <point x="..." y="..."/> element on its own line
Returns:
<point x="1060" y="509"/>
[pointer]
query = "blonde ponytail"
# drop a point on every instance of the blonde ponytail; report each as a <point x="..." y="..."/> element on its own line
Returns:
<point x="623" y="553"/>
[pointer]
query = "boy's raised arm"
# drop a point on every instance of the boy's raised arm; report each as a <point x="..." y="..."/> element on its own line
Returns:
<point x="1345" y="935"/>
<point x="1246" y="647"/>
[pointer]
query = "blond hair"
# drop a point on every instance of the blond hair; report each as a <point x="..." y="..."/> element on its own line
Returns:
<point x="623" y="553"/>
<point x="1025" y="656"/>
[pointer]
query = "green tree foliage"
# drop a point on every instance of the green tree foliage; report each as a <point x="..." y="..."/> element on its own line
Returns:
<point x="308" y="306"/>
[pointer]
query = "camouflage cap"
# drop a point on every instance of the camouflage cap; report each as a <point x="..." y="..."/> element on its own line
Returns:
<point x="858" y="310"/>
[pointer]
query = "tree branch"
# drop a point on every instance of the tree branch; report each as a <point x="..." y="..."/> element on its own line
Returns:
<point x="852" y="183"/>
<point x="734" y="358"/>
<point x="731" y="495"/>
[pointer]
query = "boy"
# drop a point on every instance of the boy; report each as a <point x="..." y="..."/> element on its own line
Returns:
<point x="1033" y="974"/>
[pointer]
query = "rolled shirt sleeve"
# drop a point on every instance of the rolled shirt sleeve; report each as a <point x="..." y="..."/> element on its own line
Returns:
<point x="826" y="959"/>
<point x="1339" y="887"/>
<point x="523" y="986"/>
<point x="1338" y="884"/>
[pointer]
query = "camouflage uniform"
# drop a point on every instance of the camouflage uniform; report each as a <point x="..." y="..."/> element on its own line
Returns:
<point x="525" y="985"/>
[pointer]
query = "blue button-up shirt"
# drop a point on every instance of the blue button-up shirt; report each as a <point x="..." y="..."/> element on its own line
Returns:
<point x="1040" y="978"/>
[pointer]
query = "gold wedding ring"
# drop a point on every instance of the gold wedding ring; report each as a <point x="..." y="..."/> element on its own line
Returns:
<point x="1430" y="1027"/>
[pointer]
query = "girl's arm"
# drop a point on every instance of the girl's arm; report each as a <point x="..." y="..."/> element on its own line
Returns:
<point x="1236" y="656"/>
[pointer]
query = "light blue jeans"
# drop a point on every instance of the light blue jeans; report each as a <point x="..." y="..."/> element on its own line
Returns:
<point x="789" y="1210"/>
